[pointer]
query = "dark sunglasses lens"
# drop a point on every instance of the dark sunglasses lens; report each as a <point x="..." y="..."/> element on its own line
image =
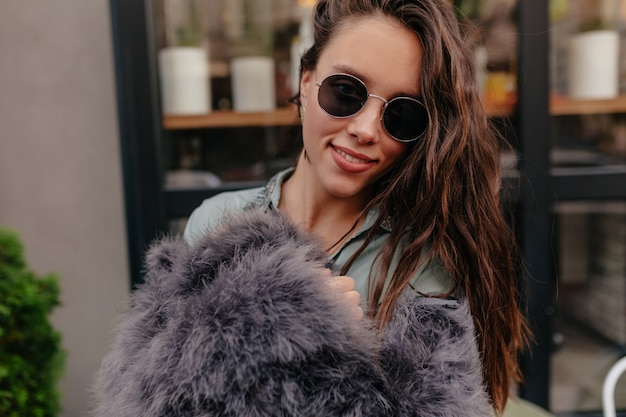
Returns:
<point x="341" y="95"/>
<point x="405" y="119"/>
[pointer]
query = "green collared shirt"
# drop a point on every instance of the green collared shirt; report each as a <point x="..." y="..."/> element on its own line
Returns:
<point x="430" y="279"/>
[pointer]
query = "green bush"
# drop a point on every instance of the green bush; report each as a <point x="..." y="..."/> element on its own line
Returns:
<point x="31" y="358"/>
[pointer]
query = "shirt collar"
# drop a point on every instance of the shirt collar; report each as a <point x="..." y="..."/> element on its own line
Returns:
<point x="269" y="198"/>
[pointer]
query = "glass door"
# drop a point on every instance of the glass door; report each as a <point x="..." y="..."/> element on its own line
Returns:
<point x="588" y="157"/>
<point x="242" y="129"/>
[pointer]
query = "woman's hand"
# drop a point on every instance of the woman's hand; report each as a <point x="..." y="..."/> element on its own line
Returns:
<point x="345" y="286"/>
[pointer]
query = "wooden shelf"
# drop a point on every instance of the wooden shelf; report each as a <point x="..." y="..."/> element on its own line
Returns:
<point x="224" y="119"/>
<point x="500" y="108"/>
<point x="559" y="106"/>
<point x="565" y="106"/>
<point x="280" y="117"/>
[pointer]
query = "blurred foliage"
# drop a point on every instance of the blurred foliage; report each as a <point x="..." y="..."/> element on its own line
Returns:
<point x="31" y="358"/>
<point x="190" y="34"/>
<point x="558" y="9"/>
<point x="469" y="8"/>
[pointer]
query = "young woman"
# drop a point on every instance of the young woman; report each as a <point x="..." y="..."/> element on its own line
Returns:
<point x="414" y="181"/>
<point x="398" y="183"/>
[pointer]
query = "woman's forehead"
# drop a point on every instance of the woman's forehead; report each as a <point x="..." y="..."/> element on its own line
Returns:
<point x="379" y="50"/>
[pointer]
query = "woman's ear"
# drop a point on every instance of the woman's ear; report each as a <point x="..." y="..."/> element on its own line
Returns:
<point x="305" y="84"/>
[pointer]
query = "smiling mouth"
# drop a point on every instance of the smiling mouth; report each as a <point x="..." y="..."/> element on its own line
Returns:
<point x="350" y="158"/>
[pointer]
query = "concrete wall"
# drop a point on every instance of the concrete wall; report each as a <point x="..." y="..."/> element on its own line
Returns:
<point x="60" y="172"/>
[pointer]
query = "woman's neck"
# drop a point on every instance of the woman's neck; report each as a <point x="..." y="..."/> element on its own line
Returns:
<point x="332" y="219"/>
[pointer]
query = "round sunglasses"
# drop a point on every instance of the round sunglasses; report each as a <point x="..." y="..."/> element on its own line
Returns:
<point x="344" y="95"/>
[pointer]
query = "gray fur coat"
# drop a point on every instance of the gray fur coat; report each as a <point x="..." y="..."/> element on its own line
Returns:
<point x="240" y="325"/>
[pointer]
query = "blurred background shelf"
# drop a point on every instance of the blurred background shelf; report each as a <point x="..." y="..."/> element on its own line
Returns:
<point x="286" y="116"/>
<point x="564" y="106"/>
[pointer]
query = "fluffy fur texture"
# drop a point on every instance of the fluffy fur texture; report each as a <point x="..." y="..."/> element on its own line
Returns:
<point x="242" y="325"/>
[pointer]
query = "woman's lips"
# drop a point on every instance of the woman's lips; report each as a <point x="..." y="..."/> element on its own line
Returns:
<point x="351" y="158"/>
<point x="350" y="161"/>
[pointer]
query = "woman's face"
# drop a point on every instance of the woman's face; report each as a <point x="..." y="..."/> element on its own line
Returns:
<point x="347" y="155"/>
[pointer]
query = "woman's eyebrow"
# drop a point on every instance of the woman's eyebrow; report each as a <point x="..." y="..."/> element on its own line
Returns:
<point x="347" y="69"/>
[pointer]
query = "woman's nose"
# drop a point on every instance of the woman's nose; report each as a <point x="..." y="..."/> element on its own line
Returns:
<point x="365" y="125"/>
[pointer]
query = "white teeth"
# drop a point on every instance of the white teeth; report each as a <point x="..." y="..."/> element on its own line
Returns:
<point x="351" y="158"/>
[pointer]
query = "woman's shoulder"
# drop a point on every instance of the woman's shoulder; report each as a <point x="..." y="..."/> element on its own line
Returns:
<point x="215" y="209"/>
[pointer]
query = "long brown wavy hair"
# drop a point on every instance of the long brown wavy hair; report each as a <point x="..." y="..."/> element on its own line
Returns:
<point x="446" y="191"/>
